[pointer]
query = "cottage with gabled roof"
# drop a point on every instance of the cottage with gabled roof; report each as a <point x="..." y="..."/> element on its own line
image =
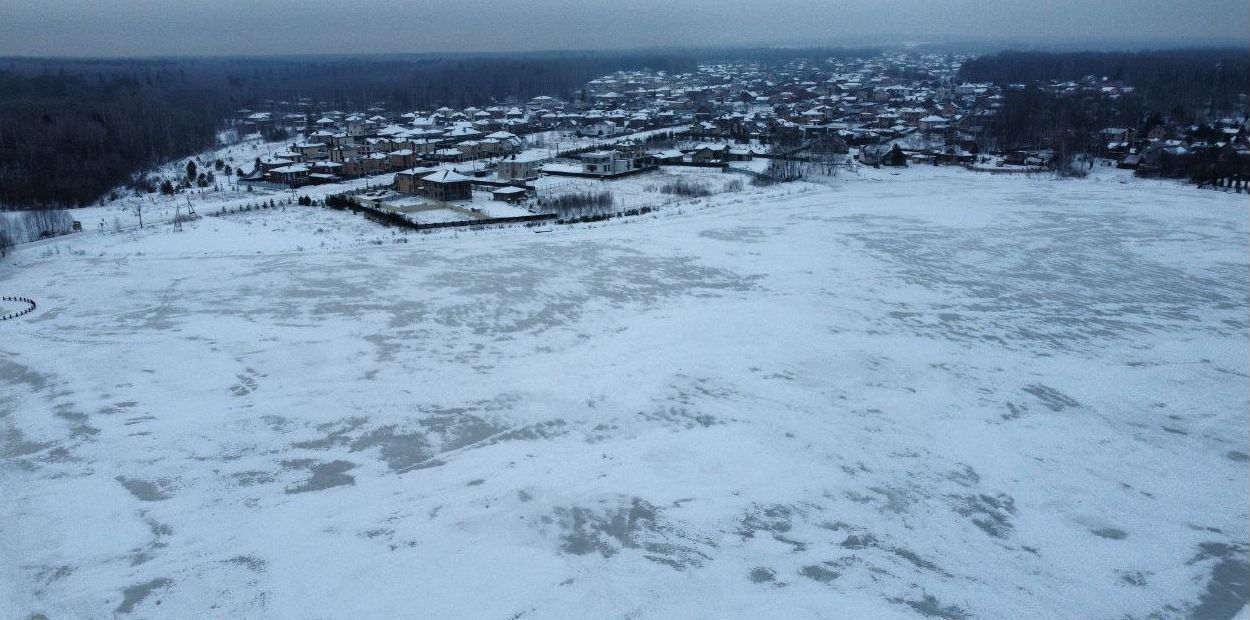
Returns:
<point x="293" y="175"/>
<point x="446" y="186"/>
<point x="410" y="181"/>
<point x="522" y="166"/>
<point x="311" y="150"/>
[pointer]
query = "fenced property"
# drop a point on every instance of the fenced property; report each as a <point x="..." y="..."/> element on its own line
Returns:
<point x="30" y="307"/>
<point x="1011" y="170"/>
<point x="387" y="217"/>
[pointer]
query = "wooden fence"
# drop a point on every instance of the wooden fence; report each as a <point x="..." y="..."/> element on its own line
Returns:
<point x="386" y="216"/>
<point x="519" y="219"/>
<point x="13" y="315"/>
<point x="599" y="177"/>
<point x="1014" y="170"/>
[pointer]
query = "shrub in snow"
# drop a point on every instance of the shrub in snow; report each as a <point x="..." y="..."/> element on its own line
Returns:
<point x="683" y="187"/>
<point x="579" y="204"/>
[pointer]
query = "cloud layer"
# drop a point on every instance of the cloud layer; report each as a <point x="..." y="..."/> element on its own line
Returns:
<point x="228" y="27"/>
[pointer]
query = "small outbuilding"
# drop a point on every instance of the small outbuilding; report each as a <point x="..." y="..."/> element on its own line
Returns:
<point x="670" y="156"/>
<point x="509" y="194"/>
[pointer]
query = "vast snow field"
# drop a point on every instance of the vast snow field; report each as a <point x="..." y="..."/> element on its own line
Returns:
<point x="929" y="393"/>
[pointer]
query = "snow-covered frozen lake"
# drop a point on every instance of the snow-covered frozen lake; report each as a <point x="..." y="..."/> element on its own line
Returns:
<point x="931" y="394"/>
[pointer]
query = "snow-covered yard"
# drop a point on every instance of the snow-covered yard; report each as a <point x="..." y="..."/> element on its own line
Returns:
<point x="903" y="394"/>
<point x="647" y="189"/>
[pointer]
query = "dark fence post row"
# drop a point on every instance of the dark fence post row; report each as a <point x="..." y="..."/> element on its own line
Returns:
<point x="587" y="219"/>
<point x="488" y="221"/>
<point x="19" y="313"/>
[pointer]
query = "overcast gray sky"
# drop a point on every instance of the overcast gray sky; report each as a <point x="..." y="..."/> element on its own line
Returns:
<point x="217" y="27"/>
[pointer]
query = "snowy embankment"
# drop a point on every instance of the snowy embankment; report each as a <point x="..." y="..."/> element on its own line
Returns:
<point x="921" y="393"/>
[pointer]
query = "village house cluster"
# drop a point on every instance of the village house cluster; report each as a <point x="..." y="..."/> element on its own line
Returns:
<point x="892" y="109"/>
<point x="1216" y="153"/>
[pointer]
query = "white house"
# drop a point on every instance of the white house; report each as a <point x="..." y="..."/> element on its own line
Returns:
<point x="600" y="129"/>
<point x="522" y="166"/>
<point x="932" y="123"/>
<point x="605" y="163"/>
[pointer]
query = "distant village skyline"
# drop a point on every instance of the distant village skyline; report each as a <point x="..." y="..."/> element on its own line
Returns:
<point x="81" y="28"/>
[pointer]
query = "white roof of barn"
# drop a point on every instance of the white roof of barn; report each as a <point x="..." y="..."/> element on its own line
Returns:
<point x="446" y="176"/>
<point x="419" y="171"/>
<point x="292" y="169"/>
<point x="529" y="156"/>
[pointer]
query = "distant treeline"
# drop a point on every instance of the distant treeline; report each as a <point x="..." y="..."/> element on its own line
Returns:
<point x="70" y="130"/>
<point x="1178" y="86"/>
<point x="1032" y="118"/>
<point x="66" y="138"/>
<point x="1180" y="83"/>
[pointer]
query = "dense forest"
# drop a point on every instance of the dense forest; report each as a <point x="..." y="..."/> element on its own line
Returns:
<point x="67" y="137"/>
<point x="71" y="130"/>
<point x="1184" y="84"/>
<point x="1033" y="118"/>
<point x="1179" y="86"/>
